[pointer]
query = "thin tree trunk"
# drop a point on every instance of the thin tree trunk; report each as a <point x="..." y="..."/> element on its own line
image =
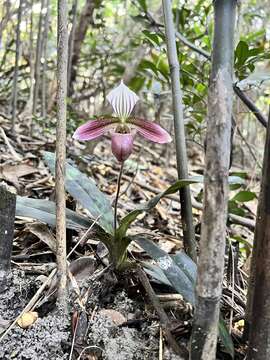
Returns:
<point x="5" y="19"/>
<point x="16" y="68"/>
<point x="85" y="19"/>
<point x="27" y="112"/>
<point x="180" y="141"/>
<point x="71" y="42"/>
<point x="44" y="69"/>
<point x="38" y="57"/>
<point x="31" y="59"/>
<point x="215" y="204"/>
<point x="62" y="56"/>
<point x="130" y="70"/>
<point x="259" y="339"/>
<point x="251" y="286"/>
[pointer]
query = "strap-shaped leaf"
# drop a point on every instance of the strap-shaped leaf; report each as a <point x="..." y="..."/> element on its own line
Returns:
<point x="186" y="264"/>
<point x="174" y="274"/>
<point x="180" y="272"/>
<point x="156" y="273"/>
<point x="128" y="219"/>
<point x="85" y="191"/>
<point x="44" y="211"/>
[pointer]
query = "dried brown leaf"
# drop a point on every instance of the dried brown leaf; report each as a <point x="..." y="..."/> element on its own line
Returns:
<point x="44" y="234"/>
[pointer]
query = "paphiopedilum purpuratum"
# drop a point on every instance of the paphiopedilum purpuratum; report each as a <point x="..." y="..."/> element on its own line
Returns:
<point x="122" y="125"/>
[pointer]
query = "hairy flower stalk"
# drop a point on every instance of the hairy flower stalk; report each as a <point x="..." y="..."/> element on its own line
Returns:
<point x="123" y="128"/>
<point x="117" y="195"/>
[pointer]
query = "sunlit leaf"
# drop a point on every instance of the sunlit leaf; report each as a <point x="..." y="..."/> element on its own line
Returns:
<point x="244" y="196"/>
<point x="143" y="5"/>
<point x="241" y="53"/>
<point x="152" y="37"/>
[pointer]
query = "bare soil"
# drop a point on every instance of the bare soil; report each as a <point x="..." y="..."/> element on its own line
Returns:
<point x="112" y="327"/>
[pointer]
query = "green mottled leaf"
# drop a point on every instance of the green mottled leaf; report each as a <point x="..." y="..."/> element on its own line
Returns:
<point x="128" y="219"/>
<point x="84" y="190"/>
<point x="44" y="211"/>
<point x="186" y="264"/>
<point x="156" y="273"/>
<point x="175" y="274"/>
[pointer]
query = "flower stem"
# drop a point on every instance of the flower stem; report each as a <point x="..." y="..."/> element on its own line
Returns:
<point x="117" y="194"/>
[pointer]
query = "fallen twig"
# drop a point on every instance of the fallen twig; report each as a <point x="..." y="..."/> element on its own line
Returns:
<point x="164" y="321"/>
<point x="11" y="149"/>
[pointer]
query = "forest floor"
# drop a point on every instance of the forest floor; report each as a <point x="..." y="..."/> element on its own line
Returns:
<point x="117" y="322"/>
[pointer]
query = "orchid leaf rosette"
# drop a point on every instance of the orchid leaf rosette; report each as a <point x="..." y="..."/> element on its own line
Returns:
<point x="122" y="126"/>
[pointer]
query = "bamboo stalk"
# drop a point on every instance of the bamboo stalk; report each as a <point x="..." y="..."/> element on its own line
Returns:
<point x="16" y="68"/>
<point x="44" y="67"/>
<point x="38" y="57"/>
<point x="258" y="306"/>
<point x="62" y="56"/>
<point x="71" y="42"/>
<point x="179" y="130"/>
<point x="216" y="188"/>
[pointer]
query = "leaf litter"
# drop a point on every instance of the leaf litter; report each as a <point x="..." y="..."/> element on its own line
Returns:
<point x="102" y="298"/>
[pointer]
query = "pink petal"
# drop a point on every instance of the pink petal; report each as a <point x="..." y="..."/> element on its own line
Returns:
<point x="151" y="131"/>
<point x="122" y="145"/>
<point x="93" y="129"/>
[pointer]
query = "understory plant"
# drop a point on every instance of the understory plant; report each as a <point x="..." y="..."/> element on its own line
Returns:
<point x="178" y="272"/>
<point x="103" y="216"/>
<point x="122" y="127"/>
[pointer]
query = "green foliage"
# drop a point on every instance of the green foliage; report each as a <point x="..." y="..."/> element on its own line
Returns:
<point x="246" y="58"/>
<point x="244" y="196"/>
<point x="235" y="204"/>
<point x="143" y="4"/>
<point x="152" y="37"/>
<point x="234" y="208"/>
<point x="117" y="32"/>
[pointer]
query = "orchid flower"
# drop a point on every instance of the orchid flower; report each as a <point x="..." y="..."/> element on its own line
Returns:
<point x="122" y="127"/>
